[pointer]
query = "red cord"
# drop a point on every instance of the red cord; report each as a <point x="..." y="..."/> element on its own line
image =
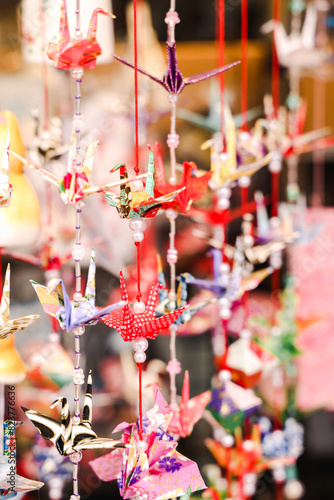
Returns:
<point x="274" y="193"/>
<point x="221" y="34"/>
<point x="244" y="63"/>
<point x="244" y="200"/>
<point x="136" y="169"/>
<point x="140" y="430"/>
<point x="275" y="79"/>
<point x="137" y="243"/>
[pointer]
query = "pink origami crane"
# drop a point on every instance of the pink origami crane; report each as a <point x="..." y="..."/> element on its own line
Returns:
<point x="132" y="326"/>
<point x="159" y="471"/>
<point x="188" y="413"/>
<point x="69" y="53"/>
<point x="195" y="182"/>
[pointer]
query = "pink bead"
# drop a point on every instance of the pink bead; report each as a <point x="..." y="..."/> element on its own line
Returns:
<point x="174" y="367"/>
<point x="173" y="141"/>
<point x="171" y="256"/>
<point x="172" y="18"/>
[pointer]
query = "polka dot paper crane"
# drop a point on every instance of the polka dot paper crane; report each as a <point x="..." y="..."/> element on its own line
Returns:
<point x="142" y="322"/>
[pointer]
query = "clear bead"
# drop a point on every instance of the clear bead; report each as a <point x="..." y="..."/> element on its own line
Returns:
<point x="76" y="457"/>
<point x="78" y="252"/>
<point x="171" y="214"/>
<point x="77" y="296"/>
<point x="76" y="420"/>
<point x="225" y="313"/>
<point x="228" y="441"/>
<point x="77" y="73"/>
<point x="244" y="181"/>
<point x="78" y="331"/>
<point x="224" y="375"/>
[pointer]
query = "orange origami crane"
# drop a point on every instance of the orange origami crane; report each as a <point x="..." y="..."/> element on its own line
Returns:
<point x="70" y="53"/>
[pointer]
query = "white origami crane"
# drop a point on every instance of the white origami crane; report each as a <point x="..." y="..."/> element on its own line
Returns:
<point x="5" y="186"/>
<point x="298" y="50"/>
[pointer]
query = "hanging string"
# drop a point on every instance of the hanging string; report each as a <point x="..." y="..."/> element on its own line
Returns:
<point x="275" y="78"/>
<point x="135" y="45"/>
<point x="137" y="243"/>
<point x="44" y="68"/>
<point x="221" y="35"/>
<point x="244" y="63"/>
<point x="140" y="372"/>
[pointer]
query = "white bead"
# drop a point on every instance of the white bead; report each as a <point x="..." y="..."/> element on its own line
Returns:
<point x="248" y="445"/>
<point x="78" y="252"/>
<point x="137" y="185"/>
<point x="138" y="307"/>
<point x="75" y="420"/>
<point x="171" y="214"/>
<point x="141" y="446"/>
<point x="223" y="204"/>
<point x="279" y="474"/>
<point x="77" y="296"/>
<point x="276" y="260"/>
<point x="294" y="489"/>
<point x="224" y="268"/>
<point x="140" y="344"/>
<point x="244" y="181"/>
<point x="140" y="357"/>
<point x="245" y="334"/>
<point x="138" y="236"/>
<point x="224" y="302"/>
<point x="225" y="313"/>
<point x="76" y="457"/>
<point x="228" y="441"/>
<point x="224" y="375"/>
<point x="248" y="241"/>
<point x="224" y="192"/>
<point x="136" y="224"/>
<point x="78" y="121"/>
<point x="275" y="164"/>
<point x="172" y="255"/>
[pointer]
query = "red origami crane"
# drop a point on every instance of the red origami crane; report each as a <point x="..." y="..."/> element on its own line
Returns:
<point x="194" y="181"/>
<point x="132" y="326"/>
<point x="69" y="53"/>
<point x="189" y="411"/>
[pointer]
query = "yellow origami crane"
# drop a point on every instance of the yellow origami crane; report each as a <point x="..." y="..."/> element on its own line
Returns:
<point x="7" y="326"/>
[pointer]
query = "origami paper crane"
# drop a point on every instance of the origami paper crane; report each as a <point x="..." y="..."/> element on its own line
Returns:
<point x="71" y="314"/>
<point x="173" y="80"/>
<point x="235" y="286"/>
<point x="277" y="133"/>
<point x="132" y="326"/>
<point x="189" y="411"/>
<point x="10" y="482"/>
<point x="49" y="463"/>
<point x="245" y="459"/>
<point x="227" y="166"/>
<point x="298" y="50"/>
<point x="69" y="437"/>
<point x="71" y="53"/>
<point x="288" y="442"/>
<point x="7" y="326"/>
<point x="141" y="203"/>
<point x="5" y="187"/>
<point x="165" y="305"/>
<point x="230" y="404"/>
<point x="75" y="185"/>
<point x="158" y="472"/>
<point x="195" y="182"/>
<point x="211" y="121"/>
<point x="246" y="359"/>
<point x="50" y="366"/>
